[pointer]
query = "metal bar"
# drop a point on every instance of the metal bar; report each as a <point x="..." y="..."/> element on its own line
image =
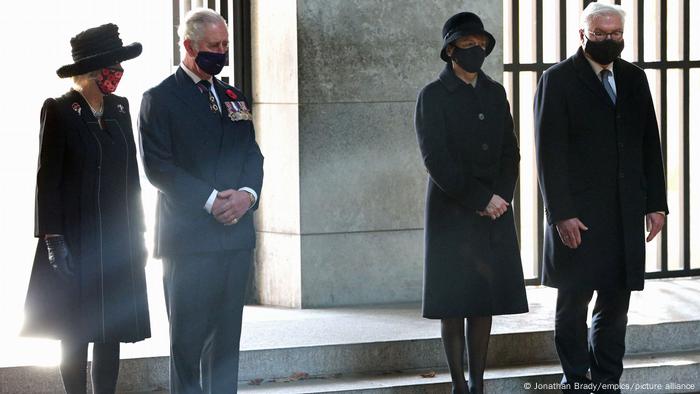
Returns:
<point x="669" y="64"/>
<point x="539" y="44"/>
<point x="527" y="67"/>
<point x="656" y="65"/>
<point x="672" y="274"/>
<point x="223" y="10"/>
<point x="515" y="15"/>
<point x="562" y="29"/>
<point x="241" y="45"/>
<point x="640" y="31"/>
<point x="663" y="103"/>
<point x="176" y="40"/>
<point x="538" y="32"/>
<point x="686" y="137"/>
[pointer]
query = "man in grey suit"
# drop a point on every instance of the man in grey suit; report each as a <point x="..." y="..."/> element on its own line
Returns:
<point x="199" y="151"/>
<point x="602" y="177"/>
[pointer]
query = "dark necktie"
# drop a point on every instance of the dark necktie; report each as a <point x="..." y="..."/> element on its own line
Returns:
<point x="205" y="88"/>
<point x="606" y="84"/>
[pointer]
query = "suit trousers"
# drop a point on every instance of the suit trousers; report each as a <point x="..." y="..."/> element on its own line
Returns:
<point x="204" y="296"/>
<point x="601" y="350"/>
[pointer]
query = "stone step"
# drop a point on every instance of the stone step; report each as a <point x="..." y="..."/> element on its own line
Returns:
<point x="661" y="373"/>
<point x="278" y="343"/>
<point x="504" y="350"/>
<point x="649" y="374"/>
<point x="531" y="354"/>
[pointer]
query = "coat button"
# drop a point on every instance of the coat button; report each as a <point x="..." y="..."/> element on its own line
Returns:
<point x="481" y="116"/>
<point x="484" y="147"/>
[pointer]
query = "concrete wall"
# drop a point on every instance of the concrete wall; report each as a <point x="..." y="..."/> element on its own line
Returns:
<point x="335" y="85"/>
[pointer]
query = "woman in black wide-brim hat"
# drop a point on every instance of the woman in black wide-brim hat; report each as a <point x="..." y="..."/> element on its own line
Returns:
<point x="472" y="259"/>
<point x="88" y="280"/>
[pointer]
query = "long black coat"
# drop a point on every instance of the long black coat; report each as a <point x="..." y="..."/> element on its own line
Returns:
<point x="88" y="190"/>
<point x="472" y="264"/>
<point x="601" y="163"/>
<point x="188" y="151"/>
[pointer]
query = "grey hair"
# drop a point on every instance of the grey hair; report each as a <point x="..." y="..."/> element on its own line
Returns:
<point x="87" y="76"/>
<point x="596" y="9"/>
<point x="195" y="21"/>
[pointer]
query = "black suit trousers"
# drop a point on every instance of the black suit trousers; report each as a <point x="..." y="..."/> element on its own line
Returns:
<point x="601" y="350"/>
<point x="204" y="295"/>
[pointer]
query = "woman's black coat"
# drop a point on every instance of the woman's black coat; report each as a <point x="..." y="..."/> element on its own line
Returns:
<point x="88" y="190"/>
<point x="472" y="263"/>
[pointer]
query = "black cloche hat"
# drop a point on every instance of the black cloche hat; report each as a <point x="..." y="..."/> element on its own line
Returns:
<point x="96" y="48"/>
<point x="461" y="25"/>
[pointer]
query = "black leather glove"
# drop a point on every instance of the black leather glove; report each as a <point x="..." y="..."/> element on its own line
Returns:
<point x="59" y="255"/>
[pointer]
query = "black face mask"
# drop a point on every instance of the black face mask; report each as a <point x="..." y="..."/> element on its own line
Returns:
<point x="470" y="59"/>
<point x="211" y="62"/>
<point x="604" y="52"/>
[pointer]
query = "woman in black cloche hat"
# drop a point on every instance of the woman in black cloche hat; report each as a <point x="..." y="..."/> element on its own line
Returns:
<point x="88" y="281"/>
<point x="472" y="258"/>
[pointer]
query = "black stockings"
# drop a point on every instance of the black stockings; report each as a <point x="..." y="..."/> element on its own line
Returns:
<point x="477" y="339"/>
<point x="104" y="371"/>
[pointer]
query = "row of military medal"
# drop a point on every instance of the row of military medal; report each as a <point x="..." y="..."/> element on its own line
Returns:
<point x="237" y="110"/>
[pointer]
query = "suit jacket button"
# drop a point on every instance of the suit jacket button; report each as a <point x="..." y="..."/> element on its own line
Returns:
<point x="481" y="116"/>
<point x="484" y="147"/>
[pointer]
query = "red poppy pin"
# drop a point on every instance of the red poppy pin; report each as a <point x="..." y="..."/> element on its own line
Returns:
<point x="231" y="94"/>
<point x="76" y="108"/>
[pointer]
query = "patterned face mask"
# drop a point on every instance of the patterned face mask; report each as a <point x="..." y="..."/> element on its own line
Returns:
<point x="108" y="80"/>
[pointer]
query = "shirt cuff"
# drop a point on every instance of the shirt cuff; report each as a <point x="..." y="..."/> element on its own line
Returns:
<point x="251" y="191"/>
<point x="210" y="202"/>
<point x="661" y="212"/>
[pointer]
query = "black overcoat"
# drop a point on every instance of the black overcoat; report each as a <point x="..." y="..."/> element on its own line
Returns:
<point x="188" y="151"/>
<point x="88" y="190"/>
<point x="600" y="162"/>
<point x="472" y="264"/>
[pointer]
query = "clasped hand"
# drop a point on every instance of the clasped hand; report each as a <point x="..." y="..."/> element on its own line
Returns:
<point x="495" y="208"/>
<point x="229" y="206"/>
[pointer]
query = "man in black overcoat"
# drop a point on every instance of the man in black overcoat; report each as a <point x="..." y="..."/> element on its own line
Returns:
<point x="199" y="151"/>
<point x="602" y="178"/>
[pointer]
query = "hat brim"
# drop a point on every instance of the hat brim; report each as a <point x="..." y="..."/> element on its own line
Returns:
<point x="101" y="60"/>
<point x="463" y="33"/>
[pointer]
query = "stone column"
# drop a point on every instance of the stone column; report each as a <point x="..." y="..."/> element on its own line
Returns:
<point x="335" y="83"/>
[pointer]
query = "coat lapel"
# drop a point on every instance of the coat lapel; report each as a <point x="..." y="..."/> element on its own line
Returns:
<point x="230" y="153"/>
<point x="85" y="118"/>
<point x="585" y="73"/>
<point x="189" y="94"/>
<point x="623" y="84"/>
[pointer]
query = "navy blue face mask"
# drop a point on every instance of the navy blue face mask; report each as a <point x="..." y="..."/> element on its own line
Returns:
<point x="211" y="62"/>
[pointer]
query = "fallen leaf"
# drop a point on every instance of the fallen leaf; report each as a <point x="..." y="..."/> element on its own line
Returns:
<point x="298" y="376"/>
<point x="430" y="374"/>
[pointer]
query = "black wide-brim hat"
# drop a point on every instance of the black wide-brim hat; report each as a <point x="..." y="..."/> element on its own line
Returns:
<point x="461" y="25"/>
<point x="97" y="48"/>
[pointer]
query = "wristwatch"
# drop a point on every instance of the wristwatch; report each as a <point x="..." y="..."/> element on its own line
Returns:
<point x="251" y="198"/>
